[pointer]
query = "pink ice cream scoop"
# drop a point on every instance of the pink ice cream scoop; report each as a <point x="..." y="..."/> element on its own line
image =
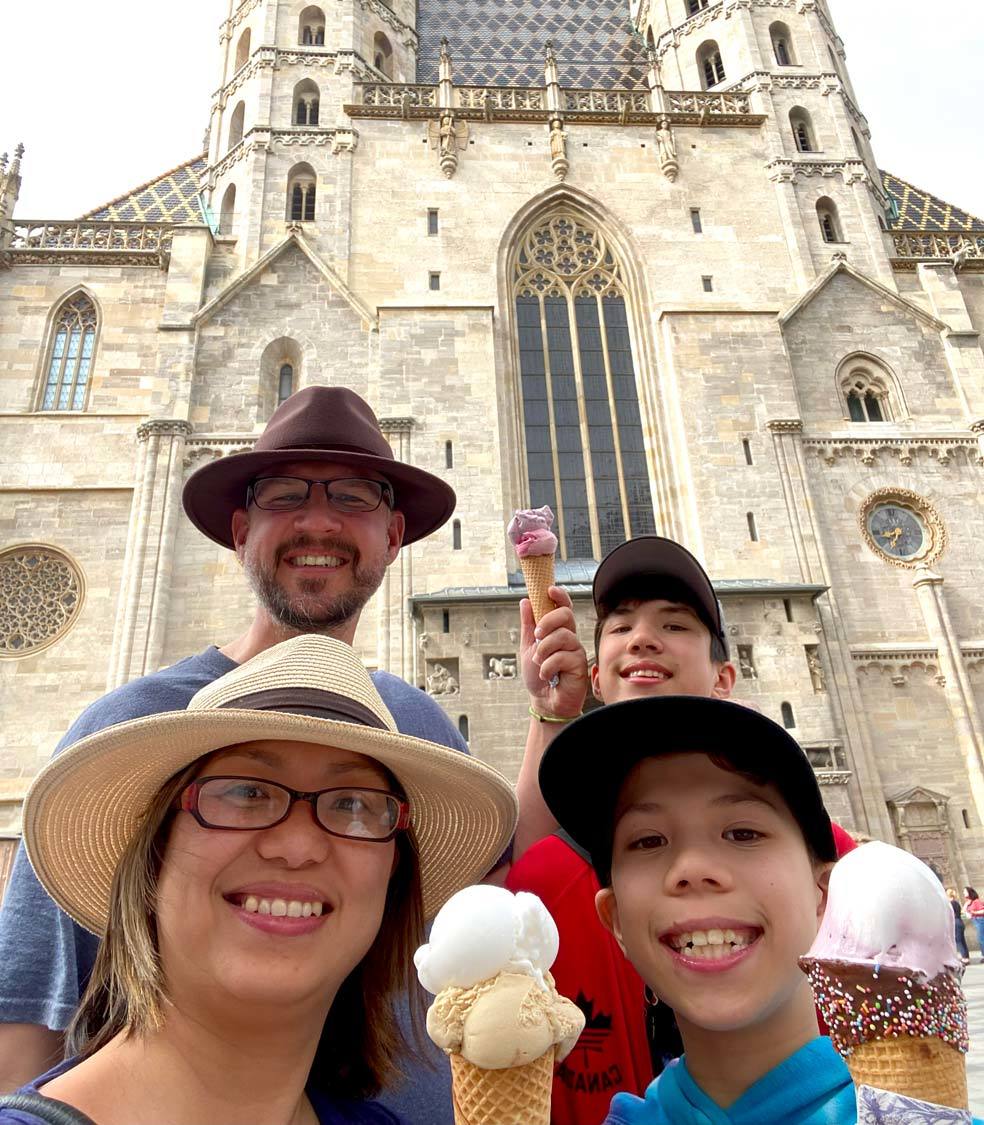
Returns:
<point x="529" y="532"/>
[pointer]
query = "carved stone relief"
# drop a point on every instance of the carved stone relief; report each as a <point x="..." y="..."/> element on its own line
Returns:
<point x="443" y="677"/>
<point x="500" y="667"/>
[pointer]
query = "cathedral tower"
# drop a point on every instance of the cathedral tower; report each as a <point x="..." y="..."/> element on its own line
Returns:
<point x="792" y="61"/>
<point x="279" y="145"/>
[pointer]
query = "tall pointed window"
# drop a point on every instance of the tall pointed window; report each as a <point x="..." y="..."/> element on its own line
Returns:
<point x="69" y="364"/>
<point x="585" y="451"/>
<point x="242" y="49"/>
<point x="285" y="383"/>
<point x="802" y="127"/>
<point x="829" y="220"/>
<point x="237" y="125"/>
<point x="782" y="44"/>
<point x="306" y="103"/>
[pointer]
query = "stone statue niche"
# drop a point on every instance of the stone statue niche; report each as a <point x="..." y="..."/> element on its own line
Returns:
<point x="443" y="677"/>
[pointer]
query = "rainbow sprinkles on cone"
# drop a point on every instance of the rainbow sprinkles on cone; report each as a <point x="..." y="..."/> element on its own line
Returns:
<point x="886" y="977"/>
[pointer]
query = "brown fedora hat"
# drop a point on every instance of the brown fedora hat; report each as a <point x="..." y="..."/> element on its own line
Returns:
<point x="316" y="424"/>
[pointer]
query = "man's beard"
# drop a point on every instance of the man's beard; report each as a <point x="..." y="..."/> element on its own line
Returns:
<point x="312" y="610"/>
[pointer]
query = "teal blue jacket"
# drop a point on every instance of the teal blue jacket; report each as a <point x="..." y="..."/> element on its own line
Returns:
<point x="811" y="1087"/>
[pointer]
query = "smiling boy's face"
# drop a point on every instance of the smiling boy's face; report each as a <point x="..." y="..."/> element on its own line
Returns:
<point x="714" y="894"/>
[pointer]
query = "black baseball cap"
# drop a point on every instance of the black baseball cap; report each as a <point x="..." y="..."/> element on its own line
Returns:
<point x="654" y="556"/>
<point x="584" y="768"/>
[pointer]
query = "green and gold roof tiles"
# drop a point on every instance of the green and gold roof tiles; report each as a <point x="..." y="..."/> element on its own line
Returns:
<point x="918" y="210"/>
<point x="170" y="198"/>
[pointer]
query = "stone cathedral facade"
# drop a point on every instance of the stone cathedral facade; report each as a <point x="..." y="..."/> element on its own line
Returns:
<point x="634" y="260"/>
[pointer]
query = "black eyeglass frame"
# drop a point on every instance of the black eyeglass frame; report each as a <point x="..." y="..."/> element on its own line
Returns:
<point x="386" y="494"/>
<point x="187" y="801"/>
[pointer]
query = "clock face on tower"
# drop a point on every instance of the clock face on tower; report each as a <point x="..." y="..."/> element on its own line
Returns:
<point x="897" y="531"/>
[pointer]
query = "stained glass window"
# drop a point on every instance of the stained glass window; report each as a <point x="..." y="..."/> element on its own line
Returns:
<point x="585" y="451"/>
<point x="70" y="361"/>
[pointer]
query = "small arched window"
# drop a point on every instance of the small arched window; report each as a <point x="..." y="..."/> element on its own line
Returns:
<point x="463" y="727"/>
<point x="788" y="718"/>
<point x="782" y="44"/>
<point x="449" y="455"/>
<point x="301" y="194"/>
<point x="73" y="344"/>
<point x="829" y="220"/>
<point x="802" y="126"/>
<point x="311" y="28"/>
<point x="307" y="98"/>
<point x="237" y="125"/>
<point x="382" y="54"/>
<point x="242" y="49"/>
<point x="456" y="535"/>
<point x="227" y="213"/>
<point x="285" y="383"/>
<point x="710" y="64"/>
<point x="867" y="395"/>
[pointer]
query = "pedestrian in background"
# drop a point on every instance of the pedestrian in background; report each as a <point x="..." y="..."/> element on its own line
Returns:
<point x="958" y="925"/>
<point x="975" y="908"/>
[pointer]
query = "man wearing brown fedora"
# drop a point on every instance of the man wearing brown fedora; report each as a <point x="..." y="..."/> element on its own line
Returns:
<point x="315" y="512"/>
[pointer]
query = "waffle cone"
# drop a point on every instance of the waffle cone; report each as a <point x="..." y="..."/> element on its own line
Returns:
<point x="538" y="570"/>
<point x="928" y="1070"/>
<point x="517" y="1096"/>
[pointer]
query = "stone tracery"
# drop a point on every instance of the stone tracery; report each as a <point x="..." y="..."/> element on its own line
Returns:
<point x="41" y="593"/>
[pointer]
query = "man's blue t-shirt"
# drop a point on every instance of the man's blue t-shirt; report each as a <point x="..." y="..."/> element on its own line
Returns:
<point x="327" y="1110"/>
<point x="811" y="1087"/>
<point x="45" y="958"/>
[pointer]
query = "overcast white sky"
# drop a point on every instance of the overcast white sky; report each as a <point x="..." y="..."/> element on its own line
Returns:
<point x="109" y="94"/>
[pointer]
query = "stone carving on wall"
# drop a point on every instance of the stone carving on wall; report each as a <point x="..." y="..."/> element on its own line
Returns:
<point x="666" y="145"/>
<point x="448" y="136"/>
<point x="41" y="592"/>
<point x="746" y="663"/>
<point x="500" y="667"/>
<point x="442" y="678"/>
<point x="817" y="674"/>
<point x="558" y="149"/>
<point x="942" y="449"/>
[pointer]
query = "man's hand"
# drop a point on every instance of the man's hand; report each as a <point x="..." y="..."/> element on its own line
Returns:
<point x="555" y="665"/>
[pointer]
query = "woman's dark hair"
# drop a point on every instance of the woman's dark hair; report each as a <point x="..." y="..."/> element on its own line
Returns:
<point x="971" y="893"/>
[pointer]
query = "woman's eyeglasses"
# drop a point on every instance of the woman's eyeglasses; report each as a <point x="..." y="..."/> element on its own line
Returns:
<point x="246" y="804"/>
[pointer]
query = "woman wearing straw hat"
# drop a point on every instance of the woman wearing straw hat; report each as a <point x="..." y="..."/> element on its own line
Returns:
<point x="260" y="867"/>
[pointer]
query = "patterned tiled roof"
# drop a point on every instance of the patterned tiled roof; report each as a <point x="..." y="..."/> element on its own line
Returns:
<point x="918" y="210"/>
<point x="170" y="198"/>
<point x="503" y="42"/>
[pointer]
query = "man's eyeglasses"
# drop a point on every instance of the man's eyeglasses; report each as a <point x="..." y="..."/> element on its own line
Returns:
<point x="245" y="804"/>
<point x="348" y="494"/>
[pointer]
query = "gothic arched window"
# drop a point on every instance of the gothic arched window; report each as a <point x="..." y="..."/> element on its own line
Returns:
<point x="307" y="99"/>
<point x="710" y="64"/>
<point x="782" y="44"/>
<point x="585" y="450"/>
<point x="301" y="192"/>
<point x="227" y="212"/>
<point x="242" y="49"/>
<point x="802" y="126"/>
<point x="285" y="383"/>
<point x="867" y="395"/>
<point x="237" y="125"/>
<point x="829" y="220"/>
<point x="73" y="344"/>
<point x="311" y="28"/>
<point x="382" y="54"/>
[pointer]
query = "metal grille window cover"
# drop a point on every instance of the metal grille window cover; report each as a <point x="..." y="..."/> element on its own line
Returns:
<point x="585" y="449"/>
<point x="70" y="362"/>
<point x="41" y="593"/>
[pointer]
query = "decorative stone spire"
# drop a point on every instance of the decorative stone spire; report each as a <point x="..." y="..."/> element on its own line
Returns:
<point x="654" y="79"/>
<point x="10" y="182"/>
<point x="445" y="81"/>
<point x="559" y="161"/>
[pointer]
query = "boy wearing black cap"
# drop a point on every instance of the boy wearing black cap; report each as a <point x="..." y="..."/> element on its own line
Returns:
<point x="712" y="848"/>
<point x="659" y="632"/>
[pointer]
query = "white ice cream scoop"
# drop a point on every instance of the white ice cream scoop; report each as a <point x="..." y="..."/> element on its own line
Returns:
<point x="482" y="931"/>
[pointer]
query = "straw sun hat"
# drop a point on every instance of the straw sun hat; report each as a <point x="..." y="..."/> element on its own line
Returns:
<point x="86" y="804"/>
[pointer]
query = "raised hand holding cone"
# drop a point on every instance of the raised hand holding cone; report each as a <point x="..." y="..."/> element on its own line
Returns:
<point x="536" y="548"/>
